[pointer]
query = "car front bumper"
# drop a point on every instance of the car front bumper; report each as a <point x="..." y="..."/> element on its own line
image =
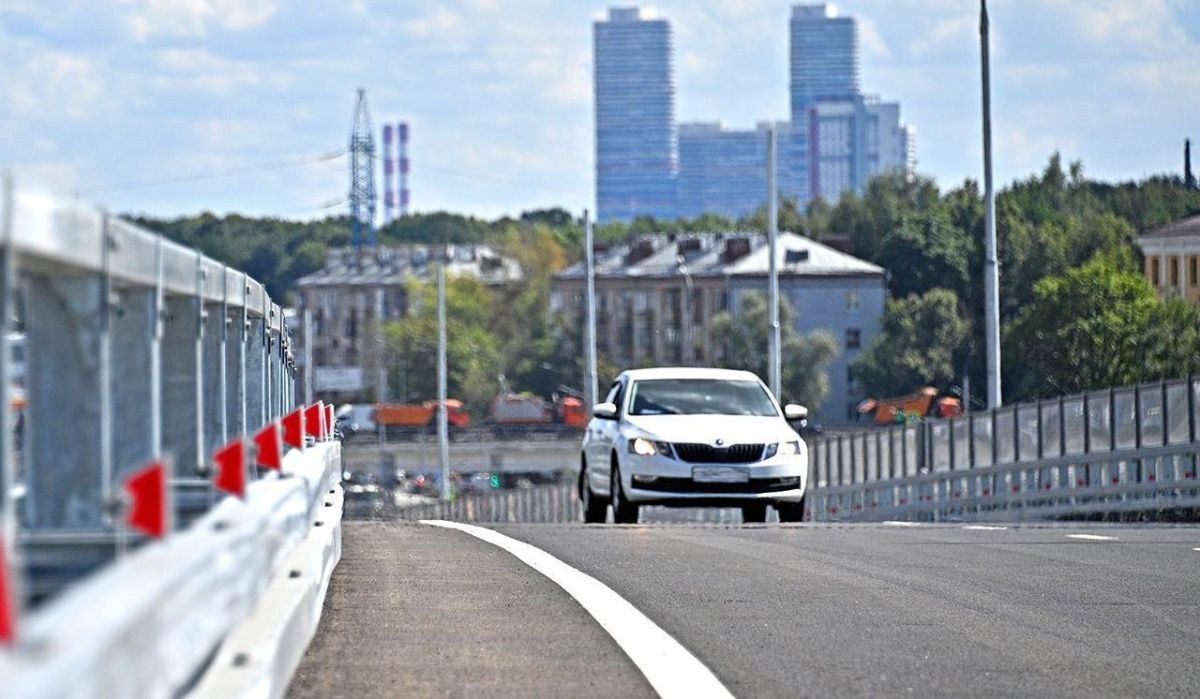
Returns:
<point x="663" y="480"/>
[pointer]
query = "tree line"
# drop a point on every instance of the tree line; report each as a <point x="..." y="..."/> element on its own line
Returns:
<point x="1076" y="311"/>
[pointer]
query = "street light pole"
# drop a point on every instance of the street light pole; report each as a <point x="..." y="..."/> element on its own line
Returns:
<point x="773" y="361"/>
<point x="593" y="386"/>
<point x="442" y="418"/>
<point x="991" y="275"/>
<point x="686" y="352"/>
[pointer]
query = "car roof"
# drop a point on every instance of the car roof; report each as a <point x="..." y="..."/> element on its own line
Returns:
<point x="691" y="373"/>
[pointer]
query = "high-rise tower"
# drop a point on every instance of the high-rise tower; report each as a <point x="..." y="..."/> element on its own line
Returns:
<point x="637" y="150"/>
<point x="823" y="56"/>
<point x="362" y="173"/>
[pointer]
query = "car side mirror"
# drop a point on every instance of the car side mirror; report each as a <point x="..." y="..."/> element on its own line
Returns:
<point x="795" y="413"/>
<point x="605" y="411"/>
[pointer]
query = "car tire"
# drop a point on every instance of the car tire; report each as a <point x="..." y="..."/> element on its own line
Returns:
<point x="624" y="512"/>
<point x="755" y="513"/>
<point x="791" y="511"/>
<point x="595" y="509"/>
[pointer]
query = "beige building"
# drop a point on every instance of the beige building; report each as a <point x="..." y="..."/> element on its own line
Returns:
<point x="357" y="287"/>
<point x="656" y="297"/>
<point x="1172" y="255"/>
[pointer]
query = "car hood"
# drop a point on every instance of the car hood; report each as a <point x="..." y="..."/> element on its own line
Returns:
<point x="706" y="429"/>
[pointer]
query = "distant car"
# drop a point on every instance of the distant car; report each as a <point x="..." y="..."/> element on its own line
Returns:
<point x="692" y="437"/>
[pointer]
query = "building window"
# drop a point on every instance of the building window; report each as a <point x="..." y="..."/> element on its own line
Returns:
<point x="1173" y="272"/>
<point x="853" y="302"/>
<point x="1192" y="271"/>
<point x="853" y="338"/>
<point x="1154" y="277"/>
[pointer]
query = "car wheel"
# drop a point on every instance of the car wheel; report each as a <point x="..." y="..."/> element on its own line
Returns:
<point x="624" y="512"/>
<point x="755" y="513"/>
<point x="791" y="511"/>
<point x="595" y="510"/>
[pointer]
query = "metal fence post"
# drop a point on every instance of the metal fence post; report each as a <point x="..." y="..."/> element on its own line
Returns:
<point x="104" y="362"/>
<point x="950" y="436"/>
<point x="8" y="468"/>
<point x="243" y="370"/>
<point x="198" y="304"/>
<point x="1191" y="401"/>
<point x="1112" y="419"/>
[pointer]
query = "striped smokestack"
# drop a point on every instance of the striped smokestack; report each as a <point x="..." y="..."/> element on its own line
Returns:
<point x="402" y="147"/>
<point x="389" y="167"/>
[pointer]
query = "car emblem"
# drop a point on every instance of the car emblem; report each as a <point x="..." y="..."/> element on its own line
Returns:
<point x="720" y="442"/>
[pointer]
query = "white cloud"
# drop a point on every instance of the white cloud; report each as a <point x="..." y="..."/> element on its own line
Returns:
<point x="50" y="84"/>
<point x="439" y="22"/>
<point x="873" y="44"/>
<point x="1026" y="151"/>
<point x="194" y="18"/>
<point x="949" y="31"/>
<point x="204" y="71"/>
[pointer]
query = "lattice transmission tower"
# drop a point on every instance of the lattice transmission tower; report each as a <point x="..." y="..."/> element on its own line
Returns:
<point x="362" y="174"/>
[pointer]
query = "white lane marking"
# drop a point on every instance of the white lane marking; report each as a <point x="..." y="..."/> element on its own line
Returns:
<point x="1091" y="537"/>
<point x="984" y="527"/>
<point x="897" y="523"/>
<point x="666" y="664"/>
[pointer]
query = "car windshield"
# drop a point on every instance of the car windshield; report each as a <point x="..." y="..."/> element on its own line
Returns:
<point x="700" y="397"/>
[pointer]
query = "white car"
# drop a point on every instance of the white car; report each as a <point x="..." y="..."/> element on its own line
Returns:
<point x="692" y="437"/>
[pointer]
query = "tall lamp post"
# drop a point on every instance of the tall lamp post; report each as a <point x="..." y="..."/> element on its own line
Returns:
<point x="774" y="363"/>
<point x="991" y="272"/>
<point x="589" y="255"/>
<point x="685" y="325"/>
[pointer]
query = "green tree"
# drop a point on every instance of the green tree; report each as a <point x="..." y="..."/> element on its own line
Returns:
<point x="1090" y="327"/>
<point x="923" y="342"/>
<point x="926" y="251"/>
<point x="742" y="344"/>
<point x="472" y="353"/>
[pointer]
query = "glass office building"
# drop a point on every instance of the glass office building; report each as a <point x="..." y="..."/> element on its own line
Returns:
<point x="823" y="56"/>
<point x="724" y="171"/>
<point x="636" y="143"/>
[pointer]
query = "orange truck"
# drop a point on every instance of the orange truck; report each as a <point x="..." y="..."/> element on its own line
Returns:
<point x="923" y="403"/>
<point x="403" y="415"/>
<point x="524" y="409"/>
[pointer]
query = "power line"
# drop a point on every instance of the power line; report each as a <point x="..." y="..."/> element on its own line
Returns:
<point x="215" y="174"/>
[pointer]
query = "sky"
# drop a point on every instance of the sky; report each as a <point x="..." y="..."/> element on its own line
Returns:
<point x="172" y="107"/>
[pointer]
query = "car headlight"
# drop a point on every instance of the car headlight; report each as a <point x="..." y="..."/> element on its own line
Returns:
<point x="782" y="449"/>
<point x="644" y="447"/>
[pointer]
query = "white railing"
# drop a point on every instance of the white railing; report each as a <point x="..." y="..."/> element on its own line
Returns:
<point x="1129" y="449"/>
<point x="148" y="625"/>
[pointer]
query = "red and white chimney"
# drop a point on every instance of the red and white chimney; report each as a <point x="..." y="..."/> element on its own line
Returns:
<point x="403" y="200"/>
<point x="389" y="167"/>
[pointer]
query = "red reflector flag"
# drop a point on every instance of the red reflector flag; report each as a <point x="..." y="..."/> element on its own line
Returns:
<point x="8" y="605"/>
<point x="147" y="491"/>
<point x="314" y="420"/>
<point x="230" y="474"/>
<point x="329" y="420"/>
<point x="270" y="451"/>
<point x="293" y="428"/>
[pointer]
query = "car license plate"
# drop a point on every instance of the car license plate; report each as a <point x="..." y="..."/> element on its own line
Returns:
<point x="720" y="474"/>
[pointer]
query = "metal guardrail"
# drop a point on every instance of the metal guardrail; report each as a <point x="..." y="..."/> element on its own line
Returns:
<point x="149" y="626"/>
<point x="136" y="349"/>
<point x="1130" y="449"/>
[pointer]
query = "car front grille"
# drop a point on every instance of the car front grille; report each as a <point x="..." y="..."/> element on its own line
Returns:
<point x="708" y="454"/>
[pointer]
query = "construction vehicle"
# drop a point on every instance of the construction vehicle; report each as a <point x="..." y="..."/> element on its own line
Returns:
<point x="912" y="408"/>
<point x="416" y="416"/>
<point x="526" y="409"/>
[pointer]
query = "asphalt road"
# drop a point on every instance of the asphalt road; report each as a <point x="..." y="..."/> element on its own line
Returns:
<point x="810" y="610"/>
